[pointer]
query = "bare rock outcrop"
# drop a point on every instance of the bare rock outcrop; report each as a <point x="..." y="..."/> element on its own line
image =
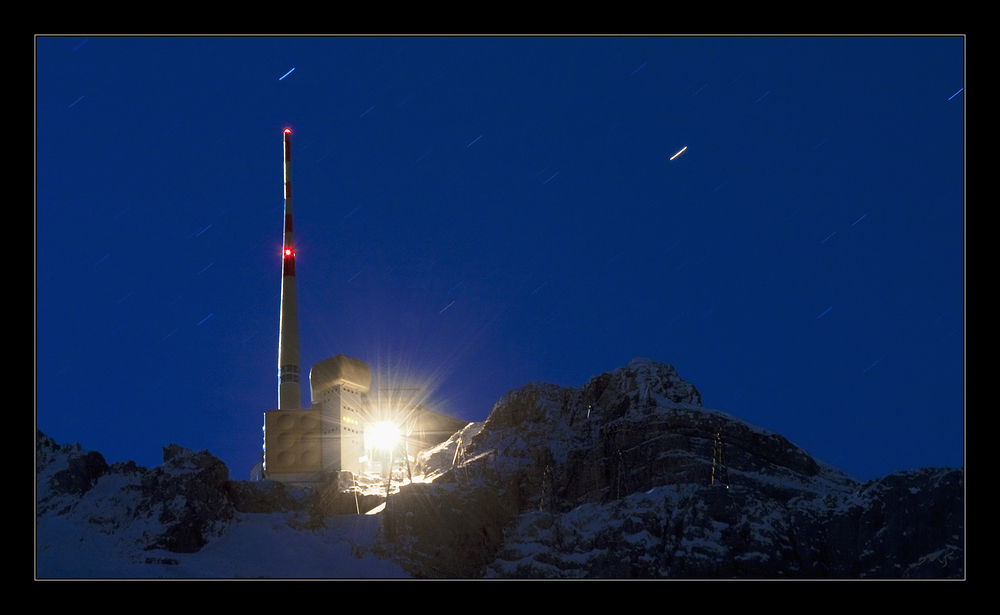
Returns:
<point x="630" y="476"/>
<point x="178" y="506"/>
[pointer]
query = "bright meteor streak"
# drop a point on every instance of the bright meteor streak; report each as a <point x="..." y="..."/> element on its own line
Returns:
<point x="285" y="75"/>
<point x="679" y="153"/>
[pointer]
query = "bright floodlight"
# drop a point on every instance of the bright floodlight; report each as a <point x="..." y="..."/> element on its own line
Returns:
<point x="384" y="435"/>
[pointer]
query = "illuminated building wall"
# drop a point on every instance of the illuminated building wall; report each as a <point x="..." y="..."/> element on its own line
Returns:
<point x="292" y="449"/>
<point x="340" y="386"/>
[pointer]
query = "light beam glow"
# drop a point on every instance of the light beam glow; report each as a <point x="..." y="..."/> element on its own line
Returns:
<point x="384" y="435"/>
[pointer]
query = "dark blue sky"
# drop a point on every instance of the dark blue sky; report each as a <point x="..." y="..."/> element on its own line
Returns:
<point x="473" y="214"/>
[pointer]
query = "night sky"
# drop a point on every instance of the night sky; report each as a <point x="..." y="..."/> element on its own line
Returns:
<point x="474" y="214"/>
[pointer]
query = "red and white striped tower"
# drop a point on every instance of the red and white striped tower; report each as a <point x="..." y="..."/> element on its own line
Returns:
<point x="289" y="390"/>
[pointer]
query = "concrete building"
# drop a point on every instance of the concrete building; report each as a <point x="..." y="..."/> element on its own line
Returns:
<point x="300" y="445"/>
<point x="338" y="433"/>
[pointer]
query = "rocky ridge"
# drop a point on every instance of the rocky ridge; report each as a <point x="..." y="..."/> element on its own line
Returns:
<point x="177" y="507"/>
<point x="628" y="476"/>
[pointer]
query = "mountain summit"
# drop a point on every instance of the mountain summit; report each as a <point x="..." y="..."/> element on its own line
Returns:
<point x="628" y="476"/>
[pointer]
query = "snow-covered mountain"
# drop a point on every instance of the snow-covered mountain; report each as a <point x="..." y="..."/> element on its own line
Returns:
<point x="186" y="519"/>
<point x="626" y="477"/>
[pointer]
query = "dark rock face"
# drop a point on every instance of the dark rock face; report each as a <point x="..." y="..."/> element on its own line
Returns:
<point x="443" y="531"/>
<point x="83" y="470"/>
<point x="909" y="517"/>
<point x="260" y="497"/>
<point x="629" y="476"/>
<point x="189" y="491"/>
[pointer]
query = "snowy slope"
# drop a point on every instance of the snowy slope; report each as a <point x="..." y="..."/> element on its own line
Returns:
<point x="628" y="476"/>
<point x="106" y="532"/>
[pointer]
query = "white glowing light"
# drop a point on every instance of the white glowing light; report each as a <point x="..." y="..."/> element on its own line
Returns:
<point x="384" y="435"/>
